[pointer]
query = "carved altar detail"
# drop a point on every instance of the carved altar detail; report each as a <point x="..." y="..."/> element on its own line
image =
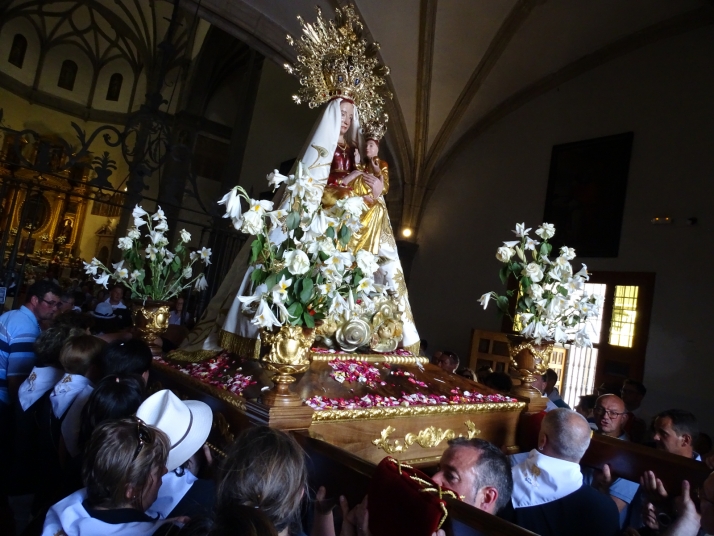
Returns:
<point x="427" y="438"/>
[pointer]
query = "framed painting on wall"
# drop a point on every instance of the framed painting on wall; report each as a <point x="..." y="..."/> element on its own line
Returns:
<point x="586" y="193"/>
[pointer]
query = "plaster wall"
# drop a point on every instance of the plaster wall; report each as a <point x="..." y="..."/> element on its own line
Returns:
<point x="662" y="92"/>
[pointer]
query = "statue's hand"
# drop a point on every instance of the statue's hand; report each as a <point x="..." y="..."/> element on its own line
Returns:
<point x="375" y="184"/>
<point x="358" y="158"/>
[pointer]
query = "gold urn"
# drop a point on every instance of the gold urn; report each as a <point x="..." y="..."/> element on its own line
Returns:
<point x="288" y="353"/>
<point x="528" y="359"/>
<point x="151" y="319"/>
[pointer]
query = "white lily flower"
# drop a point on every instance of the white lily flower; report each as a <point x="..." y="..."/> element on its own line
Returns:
<point x="90" y="268"/>
<point x="118" y="265"/>
<point x="232" y="202"/>
<point x="280" y="290"/>
<point x="185" y="236"/>
<point x="531" y="244"/>
<point x="365" y="285"/>
<point x="546" y="231"/>
<point x="332" y="274"/>
<point x="275" y="179"/>
<point x="512" y="243"/>
<point x="520" y="254"/>
<point x="138" y="222"/>
<point x="205" y="254"/>
<point x="327" y="288"/>
<point x="134" y="233"/>
<point x="483" y="300"/>
<point x="318" y="226"/>
<point x="187" y="272"/>
<point x="520" y="230"/>
<point x="354" y="206"/>
<point x="339" y="305"/>
<point x="134" y="275"/>
<point x="583" y="273"/>
<point x="122" y="273"/>
<point x="264" y="317"/>
<point x="151" y="252"/>
<point x="139" y="212"/>
<point x="168" y="256"/>
<point x="277" y="217"/>
<point x="159" y="214"/>
<point x="158" y="238"/>
<point x="201" y="283"/>
<point x="161" y="226"/>
<point x="125" y="243"/>
<point x="560" y="335"/>
<point x="102" y="280"/>
<point x="535" y="291"/>
<point x="285" y="316"/>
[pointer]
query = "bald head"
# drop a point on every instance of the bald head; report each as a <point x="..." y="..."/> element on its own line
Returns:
<point x="610" y="415"/>
<point x="564" y="434"/>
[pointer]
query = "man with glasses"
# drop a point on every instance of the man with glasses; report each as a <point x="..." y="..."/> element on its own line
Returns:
<point x="611" y="418"/>
<point x="18" y="331"/>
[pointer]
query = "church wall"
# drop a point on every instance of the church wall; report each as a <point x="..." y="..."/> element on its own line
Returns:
<point x="278" y="129"/>
<point x="20" y="114"/>
<point x="662" y="92"/>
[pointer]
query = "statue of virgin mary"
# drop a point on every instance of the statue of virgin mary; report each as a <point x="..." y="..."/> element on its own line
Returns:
<point x="332" y="153"/>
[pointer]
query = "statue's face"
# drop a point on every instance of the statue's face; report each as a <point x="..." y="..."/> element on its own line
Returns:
<point x="372" y="149"/>
<point x="347" y="112"/>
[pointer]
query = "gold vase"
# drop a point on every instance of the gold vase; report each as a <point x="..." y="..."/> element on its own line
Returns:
<point x="528" y="359"/>
<point x="151" y="319"/>
<point x="288" y="353"/>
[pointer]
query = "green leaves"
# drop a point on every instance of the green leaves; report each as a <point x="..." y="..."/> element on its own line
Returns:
<point x="345" y="235"/>
<point x="258" y="276"/>
<point x="330" y="232"/>
<point x="545" y="249"/>
<point x="255" y="248"/>
<point x="306" y="292"/>
<point x="503" y="274"/>
<point x="309" y="320"/>
<point x="293" y="220"/>
<point x="295" y="309"/>
<point x="502" y="302"/>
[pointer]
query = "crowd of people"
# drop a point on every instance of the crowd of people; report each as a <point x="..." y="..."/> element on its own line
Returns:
<point x="89" y="451"/>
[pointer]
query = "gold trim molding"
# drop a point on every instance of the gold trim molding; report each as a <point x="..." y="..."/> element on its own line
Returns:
<point x="335" y="415"/>
<point x="427" y="438"/>
<point x="370" y="358"/>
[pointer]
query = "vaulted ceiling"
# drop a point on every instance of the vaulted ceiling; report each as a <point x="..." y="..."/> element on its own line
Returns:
<point x="457" y="67"/>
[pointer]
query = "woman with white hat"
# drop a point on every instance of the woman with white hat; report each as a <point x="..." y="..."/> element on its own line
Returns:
<point x="187" y="425"/>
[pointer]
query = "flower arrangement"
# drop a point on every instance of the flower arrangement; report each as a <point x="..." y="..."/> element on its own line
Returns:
<point x="60" y="240"/>
<point x="169" y="272"/>
<point x="303" y="271"/>
<point x="551" y="301"/>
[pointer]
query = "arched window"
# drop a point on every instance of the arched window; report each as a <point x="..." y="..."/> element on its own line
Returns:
<point x="17" y="51"/>
<point x="68" y="73"/>
<point x="114" y="87"/>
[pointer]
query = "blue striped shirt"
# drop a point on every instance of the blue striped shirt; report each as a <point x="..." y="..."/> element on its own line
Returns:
<point x="18" y="331"/>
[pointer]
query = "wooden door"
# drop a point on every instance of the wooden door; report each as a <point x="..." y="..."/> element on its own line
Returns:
<point x="625" y="325"/>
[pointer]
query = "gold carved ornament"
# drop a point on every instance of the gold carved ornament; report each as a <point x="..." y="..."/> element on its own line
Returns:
<point x="428" y="438"/>
<point x="542" y="355"/>
<point x="332" y="415"/>
<point x="333" y="60"/>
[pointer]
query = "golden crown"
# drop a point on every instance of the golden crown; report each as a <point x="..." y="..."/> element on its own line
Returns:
<point x="374" y="129"/>
<point x="334" y="61"/>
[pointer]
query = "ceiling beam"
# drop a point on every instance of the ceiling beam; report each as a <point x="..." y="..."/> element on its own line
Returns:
<point x="673" y="26"/>
<point x="510" y="26"/>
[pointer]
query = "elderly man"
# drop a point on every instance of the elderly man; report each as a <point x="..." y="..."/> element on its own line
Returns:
<point x="611" y="418"/>
<point x="549" y="496"/>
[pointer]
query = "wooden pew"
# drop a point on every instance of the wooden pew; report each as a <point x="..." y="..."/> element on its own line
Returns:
<point x="629" y="460"/>
<point x="345" y="474"/>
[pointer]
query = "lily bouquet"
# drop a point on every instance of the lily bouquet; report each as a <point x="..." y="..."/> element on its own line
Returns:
<point x="153" y="272"/>
<point x="302" y="269"/>
<point x="551" y="301"/>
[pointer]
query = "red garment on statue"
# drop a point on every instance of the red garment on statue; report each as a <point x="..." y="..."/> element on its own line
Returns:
<point x="343" y="163"/>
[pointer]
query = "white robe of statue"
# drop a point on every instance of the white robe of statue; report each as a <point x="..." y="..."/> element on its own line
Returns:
<point x="223" y="323"/>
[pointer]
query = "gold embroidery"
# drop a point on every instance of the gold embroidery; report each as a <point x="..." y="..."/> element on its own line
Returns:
<point x="321" y="153"/>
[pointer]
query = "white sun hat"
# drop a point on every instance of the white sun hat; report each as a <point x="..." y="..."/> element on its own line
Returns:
<point x="187" y="423"/>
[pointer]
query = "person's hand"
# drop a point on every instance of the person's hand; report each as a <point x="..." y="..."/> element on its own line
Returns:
<point x="355" y="522"/>
<point x="687" y="520"/>
<point x="439" y="532"/>
<point x="602" y="479"/>
<point x="653" y="489"/>
<point x="323" y="522"/>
